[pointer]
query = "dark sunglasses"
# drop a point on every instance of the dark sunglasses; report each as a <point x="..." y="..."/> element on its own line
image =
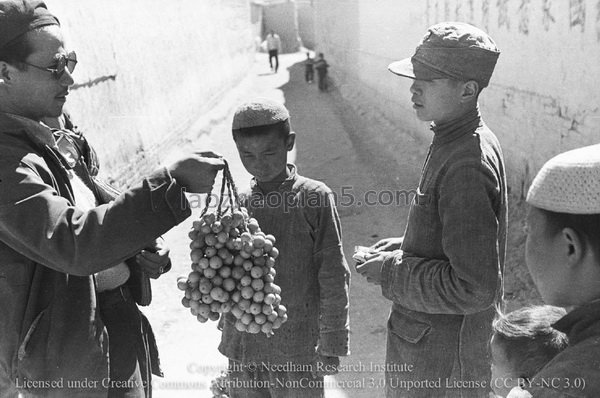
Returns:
<point x="63" y="62"/>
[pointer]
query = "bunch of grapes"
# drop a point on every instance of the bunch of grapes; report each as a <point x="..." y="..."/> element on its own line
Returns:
<point x="233" y="270"/>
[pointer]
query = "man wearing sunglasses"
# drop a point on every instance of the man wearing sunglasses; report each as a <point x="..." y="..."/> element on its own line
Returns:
<point x="53" y="342"/>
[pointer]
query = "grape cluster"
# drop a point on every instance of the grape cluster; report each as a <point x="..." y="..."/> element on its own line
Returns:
<point x="233" y="271"/>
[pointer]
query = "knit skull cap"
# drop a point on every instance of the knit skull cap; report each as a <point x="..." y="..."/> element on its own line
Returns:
<point x="18" y="17"/>
<point x="569" y="183"/>
<point x="259" y="112"/>
<point x="451" y="50"/>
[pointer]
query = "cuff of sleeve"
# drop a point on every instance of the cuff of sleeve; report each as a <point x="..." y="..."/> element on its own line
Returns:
<point x="387" y="277"/>
<point x="165" y="193"/>
<point x="334" y="344"/>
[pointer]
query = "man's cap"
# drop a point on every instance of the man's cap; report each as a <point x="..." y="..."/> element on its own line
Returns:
<point x="259" y="112"/>
<point x="451" y="50"/>
<point x="18" y="17"/>
<point x="569" y="183"/>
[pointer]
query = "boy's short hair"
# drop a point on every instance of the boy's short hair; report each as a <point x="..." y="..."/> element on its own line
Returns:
<point x="528" y="339"/>
<point x="283" y="128"/>
<point x="260" y="116"/>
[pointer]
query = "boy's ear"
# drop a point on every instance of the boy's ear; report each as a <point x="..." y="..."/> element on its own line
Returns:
<point x="5" y="72"/>
<point x="290" y="141"/>
<point x="470" y="91"/>
<point x="574" y="247"/>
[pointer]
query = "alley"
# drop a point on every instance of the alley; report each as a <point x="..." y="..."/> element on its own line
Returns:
<point x="329" y="148"/>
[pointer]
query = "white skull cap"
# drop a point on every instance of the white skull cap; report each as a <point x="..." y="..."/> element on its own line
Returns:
<point x="569" y="183"/>
<point x="259" y="112"/>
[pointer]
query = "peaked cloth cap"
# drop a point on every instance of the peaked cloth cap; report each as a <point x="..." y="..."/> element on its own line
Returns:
<point x="18" y="17"/>
<point x="451" y="50"/>
<point x="259" y="112"/>
<point x="569" y="183"/>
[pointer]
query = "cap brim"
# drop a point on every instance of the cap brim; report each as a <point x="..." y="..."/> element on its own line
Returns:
<point x="403" y="68"/>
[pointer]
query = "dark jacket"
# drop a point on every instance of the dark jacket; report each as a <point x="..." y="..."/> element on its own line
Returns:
<point x="575" y="372"/>
<point x="311" y="271"/>
<point x="448" y="275"/>
<point x="50" y="329"/>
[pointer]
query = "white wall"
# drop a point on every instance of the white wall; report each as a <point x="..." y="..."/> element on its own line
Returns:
<point x="147" y="70"/>
<point x="543" y="97"/>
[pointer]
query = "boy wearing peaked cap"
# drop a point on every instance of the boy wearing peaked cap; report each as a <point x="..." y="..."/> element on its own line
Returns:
<point x="563" y="256"/>
<point x="311" y="268"/>
<point x="445" y="275"/>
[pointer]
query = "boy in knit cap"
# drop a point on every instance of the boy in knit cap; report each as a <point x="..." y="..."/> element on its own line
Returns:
<point x="311" y="269"/>
<point x="563" y="257"/>
<point x="447" y="277"/>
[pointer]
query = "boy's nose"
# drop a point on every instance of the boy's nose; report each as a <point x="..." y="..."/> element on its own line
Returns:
<point x="413" y="88"/>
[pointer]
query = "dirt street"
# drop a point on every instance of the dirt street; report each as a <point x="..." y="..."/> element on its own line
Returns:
<point x="329" y="148"/>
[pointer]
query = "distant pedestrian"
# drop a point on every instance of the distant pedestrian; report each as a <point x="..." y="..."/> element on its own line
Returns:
<point x="321" y="66"/>
<point x="273" y="43"/>
<point x="309" y="71"/>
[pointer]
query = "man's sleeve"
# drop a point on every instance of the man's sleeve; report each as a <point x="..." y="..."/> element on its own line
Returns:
<point x="469" y="280"/>
<point x="334" y="281"/>
<point x="44" y="227"/>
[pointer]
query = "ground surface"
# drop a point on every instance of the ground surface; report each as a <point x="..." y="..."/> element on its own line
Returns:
<point x="331" y="148"/>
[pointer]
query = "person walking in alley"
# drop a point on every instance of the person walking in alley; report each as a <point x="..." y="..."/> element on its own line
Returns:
<point x="273" y="44"/>
<point x="53" y="237"/>
<point x="321" y="66"/>
<point x="309" y="68"/>
<point x="444" y="277"/>
<point x="311" y="268"/>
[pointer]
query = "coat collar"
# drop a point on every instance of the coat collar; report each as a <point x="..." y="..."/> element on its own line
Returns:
<point x="456" y="128"/>
<point x="37" y="132"/>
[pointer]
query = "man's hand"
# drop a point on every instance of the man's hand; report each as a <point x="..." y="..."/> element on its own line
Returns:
<point x="154" y="259"/>
<point x="324" y="366"/>
<point x="197" y="172"/>
<point x="371" y="269"/>
<point x="388" y="244"/>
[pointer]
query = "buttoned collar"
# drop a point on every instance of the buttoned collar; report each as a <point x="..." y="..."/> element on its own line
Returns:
<point x="450" y="131"/>
<point x="284" y="186"/>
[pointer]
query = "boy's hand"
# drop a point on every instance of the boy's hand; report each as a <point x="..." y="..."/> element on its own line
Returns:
<point x="324" y="366"/>
<point x="371" y="269"/>
<point x="154" y="259"/>
<point x="388" y="244"/>
<point x="197" y="172"/>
